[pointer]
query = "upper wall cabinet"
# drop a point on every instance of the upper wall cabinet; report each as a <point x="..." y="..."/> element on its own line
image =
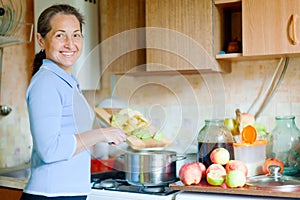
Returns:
<point x="121" y="35"/>
<point x="271" y="27"/>
<point x="157" y="36"/>
<point x="179" y="36"/>
<point x="264" y="28"/>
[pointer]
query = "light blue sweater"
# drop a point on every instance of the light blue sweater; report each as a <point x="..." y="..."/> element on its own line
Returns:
<point x="57" y="111"/>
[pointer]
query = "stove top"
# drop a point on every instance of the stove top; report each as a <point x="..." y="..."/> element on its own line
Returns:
<point x="115" y="181"/>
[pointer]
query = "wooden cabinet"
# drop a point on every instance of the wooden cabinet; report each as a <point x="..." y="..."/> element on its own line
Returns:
<point x="122" y="40"/>
<point x="170" y="35"/>
<point x="271" y="27"/>
<point x="10" y="194"/>
<point x="266" y="28"/>
<point x="179" y="35"/>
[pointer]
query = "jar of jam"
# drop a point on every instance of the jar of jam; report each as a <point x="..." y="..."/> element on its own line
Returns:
<point x="213" y="135"/>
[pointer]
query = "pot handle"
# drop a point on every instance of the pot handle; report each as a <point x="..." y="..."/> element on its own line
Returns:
<point x="177" y="158"/>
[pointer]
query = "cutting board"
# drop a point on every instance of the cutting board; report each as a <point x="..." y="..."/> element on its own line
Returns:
<point x="133" y="141"/>
<point x="204" y="187"/>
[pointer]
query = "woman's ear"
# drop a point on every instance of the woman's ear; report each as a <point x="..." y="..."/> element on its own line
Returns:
<point x="40" y="41"/>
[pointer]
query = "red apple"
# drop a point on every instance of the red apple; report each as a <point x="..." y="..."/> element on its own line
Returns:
<point x="220" y="156"/>
<point x="236" y="164"/>
<point x="190" y="173"/>
<point x="272" y="161"/>
<point x="203" y="168"/>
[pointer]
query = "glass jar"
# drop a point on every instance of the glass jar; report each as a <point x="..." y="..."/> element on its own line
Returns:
<point x="283" y="143"/>
<point x="213" y="135"/>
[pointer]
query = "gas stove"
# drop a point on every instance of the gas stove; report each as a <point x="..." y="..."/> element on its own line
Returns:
<point x="113" y="186"/>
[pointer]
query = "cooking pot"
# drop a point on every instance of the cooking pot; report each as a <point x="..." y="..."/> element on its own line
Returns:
<point x="151" y="168"/>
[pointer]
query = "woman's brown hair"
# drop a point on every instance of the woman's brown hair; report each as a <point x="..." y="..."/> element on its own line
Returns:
<point x="43" y="27"/>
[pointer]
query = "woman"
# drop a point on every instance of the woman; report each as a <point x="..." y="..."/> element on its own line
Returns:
<point x="60" y="118"/>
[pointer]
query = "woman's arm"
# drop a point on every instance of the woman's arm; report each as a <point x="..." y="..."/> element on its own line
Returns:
<point x="111" y="135"/>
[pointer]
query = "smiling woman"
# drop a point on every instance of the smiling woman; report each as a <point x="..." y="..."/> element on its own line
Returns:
<point x="61" y="121"/>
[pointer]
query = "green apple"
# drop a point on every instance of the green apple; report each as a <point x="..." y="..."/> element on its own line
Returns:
<point x="229" y="123"/>
<point x="215" y="178"/>
<point x="235" y="178"/>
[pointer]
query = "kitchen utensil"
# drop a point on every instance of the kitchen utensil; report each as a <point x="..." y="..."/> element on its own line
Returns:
<point x="275" y="181"/>
<point x="133" y="141"/>
<point x="151" y="168"/>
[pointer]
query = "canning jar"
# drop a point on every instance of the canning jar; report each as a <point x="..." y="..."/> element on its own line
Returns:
<point x="283" y="143"/>
<point x="213" y="135"/>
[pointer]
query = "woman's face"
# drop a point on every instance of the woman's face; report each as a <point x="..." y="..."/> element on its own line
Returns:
<point x="63" y="44"/>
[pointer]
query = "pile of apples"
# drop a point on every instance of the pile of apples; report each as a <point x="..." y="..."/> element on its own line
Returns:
<point x="223" y="172"/>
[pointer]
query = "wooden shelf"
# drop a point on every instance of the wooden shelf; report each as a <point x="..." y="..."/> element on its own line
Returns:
<point x="229" y="56"/>
<point x="223" y="2"/>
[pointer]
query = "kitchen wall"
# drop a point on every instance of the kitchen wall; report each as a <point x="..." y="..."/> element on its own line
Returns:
<point x="15" y="140"/>
<point x="179" y="104"/>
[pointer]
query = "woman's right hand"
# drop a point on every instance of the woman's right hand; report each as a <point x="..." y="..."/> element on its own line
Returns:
<point x="113" y="135"/>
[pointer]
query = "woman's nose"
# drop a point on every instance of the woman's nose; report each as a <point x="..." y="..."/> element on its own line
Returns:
<point x="69" y="42"/>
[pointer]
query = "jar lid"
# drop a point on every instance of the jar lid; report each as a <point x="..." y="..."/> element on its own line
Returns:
<point x="244" y="144"/>
<point x="275" y="181"/>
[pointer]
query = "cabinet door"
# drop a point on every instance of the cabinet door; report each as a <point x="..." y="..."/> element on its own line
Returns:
<point x="178" y="35"/>
<point x="119" y="20"/>
<point x="270" y="27"/>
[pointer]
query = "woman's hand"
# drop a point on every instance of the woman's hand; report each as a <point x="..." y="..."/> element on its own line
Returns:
<point x="113" y="135"/>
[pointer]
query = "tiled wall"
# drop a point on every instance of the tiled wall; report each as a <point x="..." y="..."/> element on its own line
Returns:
<point x="178" y="104"/>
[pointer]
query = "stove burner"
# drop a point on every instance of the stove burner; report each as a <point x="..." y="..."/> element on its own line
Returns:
<point x="109" y="183"/>
<point x="157" y="189"/>
<point x="118" y="183"/>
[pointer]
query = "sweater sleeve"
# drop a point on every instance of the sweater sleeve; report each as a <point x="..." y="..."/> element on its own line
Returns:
<point x="45" y="107"/>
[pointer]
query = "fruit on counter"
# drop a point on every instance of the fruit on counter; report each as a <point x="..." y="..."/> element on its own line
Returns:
<point x="215" y="174"/>
<point x="203" y="168"/>
<point x="249" y="134"/>
<point x="190" y="173"/>
<point x="214" y="178"/>
<point x="272" y="161"/>
<point x="242" y="120"/>
<point x="261" y="130"/>
<point x="216" y="168"/>
<point x="220" y="156"/>
<point x="235" y="178"/>
<point x="232" y="125"/>
<point x="236" y="165"/>
<point x="246" y="119"/>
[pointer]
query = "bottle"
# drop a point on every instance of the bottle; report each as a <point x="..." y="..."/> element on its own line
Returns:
<point x="283" y="144"/>
<point x="213" y="135"/>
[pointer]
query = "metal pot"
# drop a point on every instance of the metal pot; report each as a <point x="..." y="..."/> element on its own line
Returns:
<point x="151" y="168"/>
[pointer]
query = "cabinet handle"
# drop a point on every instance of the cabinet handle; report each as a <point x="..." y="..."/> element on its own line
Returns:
<point x="293" y="26"/>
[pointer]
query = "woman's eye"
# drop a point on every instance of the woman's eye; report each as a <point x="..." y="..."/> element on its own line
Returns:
<point x="59" y="35"/>
<point x="77" y="35"/>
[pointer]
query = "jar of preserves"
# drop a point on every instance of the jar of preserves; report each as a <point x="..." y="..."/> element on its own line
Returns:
<point x="213" y="135"/>
<point x="283" y="144"/>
